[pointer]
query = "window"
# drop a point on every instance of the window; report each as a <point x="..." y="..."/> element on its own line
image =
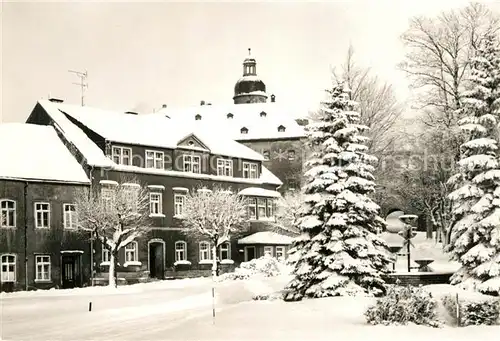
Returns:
<point x="268" y="250"/>
<point x="197" y="117"/>
<point x="178" y="204"/>
<point x="42" y="264"/>
<point x="249" y="170"/>
<point x="224" y="167"/>
<point x="69" y="216"/>
<point x="291" y="155"/>
<point x="292" y="185"/>
<point x="107" y="196"/>
<point x="8" y="268"/>
<point x="281" y="129"/>
<point x="280" y="252"/>
<point x="155" y="203"/>
<point x="244" y="130"/>
<point x="121" y="156"/>
<point x="252" y="208"/>
<point x="105" y="256"/>
<point x="154" y="159"/>
<point x="42" y="215"/>
<point x="180" y="251"/>
<point x="263" y="114"/>
<point x="131" y="252"/>
<point x="131" y="196"/>
<point x="270" y="208"/>
<point x="7" y="213"/>
<point x="192" y="163"/>
<point x="262" y="207"/>
<point x="205" y="252"/>
<point x="230" y="116"/>
<point x="224" y="251"/>
<point x="266" y="154"/>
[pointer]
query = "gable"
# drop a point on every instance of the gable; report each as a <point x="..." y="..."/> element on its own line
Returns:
<point x="192" y="142"/>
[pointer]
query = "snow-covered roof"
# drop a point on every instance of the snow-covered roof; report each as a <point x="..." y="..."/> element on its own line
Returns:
<point x="267" y="238"/>
<point x="243" y="115"/>
<point x="154" y="131"/>
<point x="268" y="177"/>
<point x="259" y="192"/>
<point x="35" y="152"/>
<point x="90" y="151"/>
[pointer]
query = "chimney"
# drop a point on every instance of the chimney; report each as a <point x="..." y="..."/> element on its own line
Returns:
<point x="131" y="113"/>
<point x="164" y="106"/>
<point x="202" y="102"/>
<point x="56" y="100"/>
<point x="273" y="98"/>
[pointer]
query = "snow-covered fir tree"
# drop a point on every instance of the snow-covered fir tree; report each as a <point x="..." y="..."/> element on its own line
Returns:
<point x="475" y="238"/>
<point x="338" y="252"/>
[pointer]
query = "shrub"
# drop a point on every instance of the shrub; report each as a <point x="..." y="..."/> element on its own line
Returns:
<point x="266" y="266"/>
<point x="472" y="310"/>
<point x="403" y="305"/>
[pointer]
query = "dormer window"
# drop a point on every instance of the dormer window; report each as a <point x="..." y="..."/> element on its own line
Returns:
<point x="281" y="129"/>
<point x="244" y="130"/>
<point x="197" y="117"/>
<point x="230" y="116"/>
<point x="263" y="114"/>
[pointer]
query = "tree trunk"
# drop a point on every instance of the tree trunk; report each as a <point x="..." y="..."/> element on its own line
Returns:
<point x="214" y="260"/>
<point x="112" y="269"/>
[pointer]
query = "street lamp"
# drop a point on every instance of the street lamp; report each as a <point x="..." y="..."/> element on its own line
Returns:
<point x="408" y="233"/>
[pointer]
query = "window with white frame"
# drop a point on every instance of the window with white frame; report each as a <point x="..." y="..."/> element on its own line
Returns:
<point x="155" y="203"/>
<point x="192" y="163"/>
<point x="131" y="252"/>
<point x="261" y="207"/>
<point x="266" y="154"/>
<point x="154" y="159"/>
<point x="122" y="155"/>
<point x="179" y="204"/>
<point x="131" y="196"/>
<point x="7" y="213"/>
<point x="8" y="268"/>
<point x="224" y="251"/>
<point x="180" y="251"/>
<point x="250" y="170"/>
<point x="268" y="250"/>
<point x="42" y="215"/>
<point x="224" y="167"/>
<point x="280" y="252"/>
<point x="107" y="196"/>
<point x="291" y="155"/>
<point x="106" y="255"/>
<point x="205" y="252"/>
<point x="69" y="217"/>
<point x="270" y="208"/>
<point x="42" y="264"/>
<point x="252" y="208"/>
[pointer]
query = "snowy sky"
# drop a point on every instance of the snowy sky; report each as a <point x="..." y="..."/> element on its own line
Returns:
<point x="141" y="55"/>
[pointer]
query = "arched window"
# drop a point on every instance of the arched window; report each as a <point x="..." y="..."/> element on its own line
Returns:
<point x="205" y="251"/>
<point x="281" y="129"/>
<point x="244" y="130"/>
<point x="180" y="251"/>
<point x="230" y="116"/>
<point x="8" y="268"/>
<point x="7" y="213"/>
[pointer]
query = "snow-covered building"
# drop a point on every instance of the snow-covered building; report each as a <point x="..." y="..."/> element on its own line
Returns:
<point x="100" y="149"/>
<point x="274" y="130"/>
<point x="38" y="239"/>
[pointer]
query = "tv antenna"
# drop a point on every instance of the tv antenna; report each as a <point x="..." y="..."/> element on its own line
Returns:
<point x="83" y="83"/>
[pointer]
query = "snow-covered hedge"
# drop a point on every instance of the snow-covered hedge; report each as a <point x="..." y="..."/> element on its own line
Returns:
<point x="403" y="305"/>
<point x="266" y="266"/>
<point x="472" y="311"/>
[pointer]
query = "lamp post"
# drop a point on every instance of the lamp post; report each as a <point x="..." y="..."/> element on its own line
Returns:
<point x="408" y="233"/>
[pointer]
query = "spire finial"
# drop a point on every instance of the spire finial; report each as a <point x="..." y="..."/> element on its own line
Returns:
<point x="249" y="51"/>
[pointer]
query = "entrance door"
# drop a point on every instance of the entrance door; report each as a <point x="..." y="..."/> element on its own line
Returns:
<point x="70" y="271"/>
<point x="249" y="253"/>
<point x="156" y="266"/>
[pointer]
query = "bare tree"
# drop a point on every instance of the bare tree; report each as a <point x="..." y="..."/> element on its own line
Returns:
<point x="116" y="214"/>
<point x="288" y="210"/>
<point x="438" y="53"/>
<point x="377" y="102"/>
<point x="215" y="215"/>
